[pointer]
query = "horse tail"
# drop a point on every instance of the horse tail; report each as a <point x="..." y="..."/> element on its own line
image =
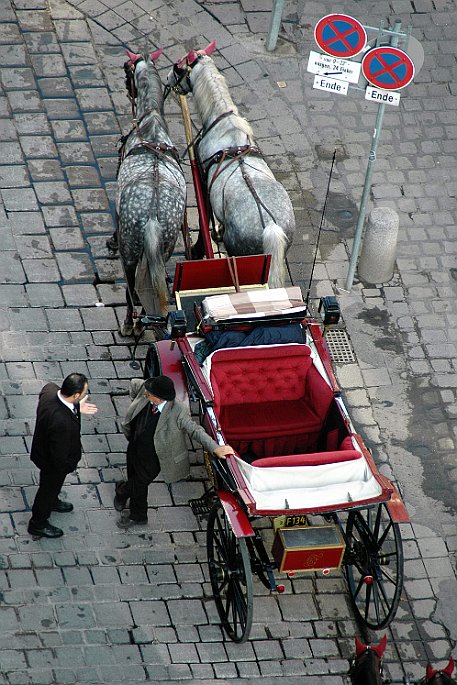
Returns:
<point x="156" y="265"/>
<point x="275" y="243"/>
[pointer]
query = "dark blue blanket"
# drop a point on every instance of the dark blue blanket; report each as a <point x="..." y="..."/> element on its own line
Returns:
<point x="260" y="335"/>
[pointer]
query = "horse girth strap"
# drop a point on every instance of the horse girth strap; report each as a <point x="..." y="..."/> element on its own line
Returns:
<point x="160" y="149"/>
<point x="233" y="153"/>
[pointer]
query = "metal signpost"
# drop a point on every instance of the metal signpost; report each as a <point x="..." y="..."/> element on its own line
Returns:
<point x="273" y="31"/>
<point x="385" y="67"/>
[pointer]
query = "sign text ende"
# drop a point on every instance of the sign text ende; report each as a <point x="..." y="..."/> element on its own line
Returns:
<point x="331" y="85"/>
<point x="385" y="97"/>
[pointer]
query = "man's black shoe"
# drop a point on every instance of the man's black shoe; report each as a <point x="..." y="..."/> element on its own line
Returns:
<point x="120" y="502"/>
<point x="62" y="507"/>
<point x="126" y="523"/>
<point x="46" y="531"/>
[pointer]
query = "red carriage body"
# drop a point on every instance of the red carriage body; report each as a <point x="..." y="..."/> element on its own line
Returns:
<point x="297" y="454"/>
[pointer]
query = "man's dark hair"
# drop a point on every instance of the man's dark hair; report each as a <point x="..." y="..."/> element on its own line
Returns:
<point x="73" y="383"/>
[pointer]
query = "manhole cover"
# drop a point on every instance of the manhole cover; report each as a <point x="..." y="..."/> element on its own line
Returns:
<point x="340" y="347"/>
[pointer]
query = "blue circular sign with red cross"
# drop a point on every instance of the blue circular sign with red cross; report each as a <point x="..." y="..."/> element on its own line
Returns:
<point x="388" y="68"/>
<point x="340" y="35"/>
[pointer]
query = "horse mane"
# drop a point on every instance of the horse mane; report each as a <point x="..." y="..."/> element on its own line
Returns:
<point x="150" y="89"/>
<point x="213" y="99"/>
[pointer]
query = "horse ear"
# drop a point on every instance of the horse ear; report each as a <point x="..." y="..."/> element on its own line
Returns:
<point x="381" y="648"/>
<point x="210" y="48"/>
<point x="359" y="647"/>
<point x="133" y="57"/>
<point x="449" y="668"/>
<point x="155" y="55"/>
<point x="429" y="673"/>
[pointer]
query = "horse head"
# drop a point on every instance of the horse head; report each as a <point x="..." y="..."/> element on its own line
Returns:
<point x="440" y="677"/>
<point x="366" y="667"/>
<point x="133" y="66"/>
<point x="179" y="77"/>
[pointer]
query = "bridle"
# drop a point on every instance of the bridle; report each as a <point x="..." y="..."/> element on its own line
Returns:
<point x="130" y="68"/>
<point x="182" y="76"/>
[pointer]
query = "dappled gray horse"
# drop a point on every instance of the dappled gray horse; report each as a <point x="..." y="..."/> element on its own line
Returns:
<point x="151" y="193"/>
<point x="254" y="209"/>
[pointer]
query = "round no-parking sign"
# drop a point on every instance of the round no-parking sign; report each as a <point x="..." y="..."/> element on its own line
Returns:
<point x="340" y="35"/>
<point x="388" y="68"/>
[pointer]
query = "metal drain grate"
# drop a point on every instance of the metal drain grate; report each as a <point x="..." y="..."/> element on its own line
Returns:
<point x="340" y="347"/>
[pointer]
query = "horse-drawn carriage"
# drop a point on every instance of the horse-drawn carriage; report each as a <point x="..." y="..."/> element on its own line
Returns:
<point x="256" y="361"/>
<point x="260" y="369"/>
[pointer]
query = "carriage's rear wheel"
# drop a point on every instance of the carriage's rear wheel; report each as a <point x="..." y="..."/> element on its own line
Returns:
<point x="374" y="565"/>
<point x="230" y="575"/>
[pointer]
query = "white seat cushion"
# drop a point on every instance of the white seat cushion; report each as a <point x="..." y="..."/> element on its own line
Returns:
<point x="308" y="487"/>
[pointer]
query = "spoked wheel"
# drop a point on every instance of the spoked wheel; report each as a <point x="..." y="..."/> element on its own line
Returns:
<point x="374" y="565"/>
<point x="230" y="575"/>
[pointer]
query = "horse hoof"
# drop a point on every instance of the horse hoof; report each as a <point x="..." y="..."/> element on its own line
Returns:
<point x="138" y="328"/>
<point x="126" y="330"/>
<point x="112" y="244"/>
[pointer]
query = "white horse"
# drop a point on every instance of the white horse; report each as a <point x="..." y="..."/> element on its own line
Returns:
<point x="253" y="207"/>
<point x="151" y="193"/>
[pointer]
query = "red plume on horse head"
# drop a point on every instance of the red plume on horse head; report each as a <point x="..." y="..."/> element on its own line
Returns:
<point x="134" y="57"/>
<point x="192" y="55"/>
<point x="378" y="649"/>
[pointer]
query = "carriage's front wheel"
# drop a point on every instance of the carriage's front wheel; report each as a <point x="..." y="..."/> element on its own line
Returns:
<point x="230" y="575"/>
<point x="374" y="565"/>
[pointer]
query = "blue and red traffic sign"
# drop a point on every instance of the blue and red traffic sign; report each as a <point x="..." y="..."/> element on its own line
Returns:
<point x="340" y="35"/>
<point x="388" y="68"/>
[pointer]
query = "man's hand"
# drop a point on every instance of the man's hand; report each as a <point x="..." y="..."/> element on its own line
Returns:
<point x="86" y="407"/>
<point x="222" y="450"/>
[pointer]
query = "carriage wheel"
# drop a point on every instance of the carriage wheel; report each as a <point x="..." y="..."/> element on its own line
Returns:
<point x="230" y="575"/>
<point x="374" y="565"/>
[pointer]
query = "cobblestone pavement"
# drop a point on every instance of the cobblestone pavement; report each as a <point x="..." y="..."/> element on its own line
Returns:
<point x="104" y="606"/>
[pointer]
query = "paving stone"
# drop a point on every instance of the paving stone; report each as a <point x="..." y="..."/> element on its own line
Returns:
<point x="41" y="271"/>
<point x="74" y="266"/>
<point x="13" y="176"/>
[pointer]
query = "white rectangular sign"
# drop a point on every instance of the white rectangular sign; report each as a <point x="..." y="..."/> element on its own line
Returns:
<point x="331" y="85"/>
<point x="382" y="96"/>
<point x="334" y="67"/>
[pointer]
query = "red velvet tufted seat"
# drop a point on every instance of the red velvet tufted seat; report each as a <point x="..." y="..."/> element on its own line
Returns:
<point x="267" y="393"/>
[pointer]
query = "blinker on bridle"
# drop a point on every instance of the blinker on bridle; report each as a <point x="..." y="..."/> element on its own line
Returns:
<point x="182" y="75"/>
<point x="130" y="68"/>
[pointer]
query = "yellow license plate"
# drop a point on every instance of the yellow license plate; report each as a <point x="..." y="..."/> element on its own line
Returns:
<point x="290" y="521"/>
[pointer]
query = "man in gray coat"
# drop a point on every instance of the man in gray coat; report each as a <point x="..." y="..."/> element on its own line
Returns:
<point x="156" y="426"/>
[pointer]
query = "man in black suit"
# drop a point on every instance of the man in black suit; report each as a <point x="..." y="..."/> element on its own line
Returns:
<point x="56" y="447"/>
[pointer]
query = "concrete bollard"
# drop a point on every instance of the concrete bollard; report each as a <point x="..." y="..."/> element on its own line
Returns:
<point x="377" y="258"/>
